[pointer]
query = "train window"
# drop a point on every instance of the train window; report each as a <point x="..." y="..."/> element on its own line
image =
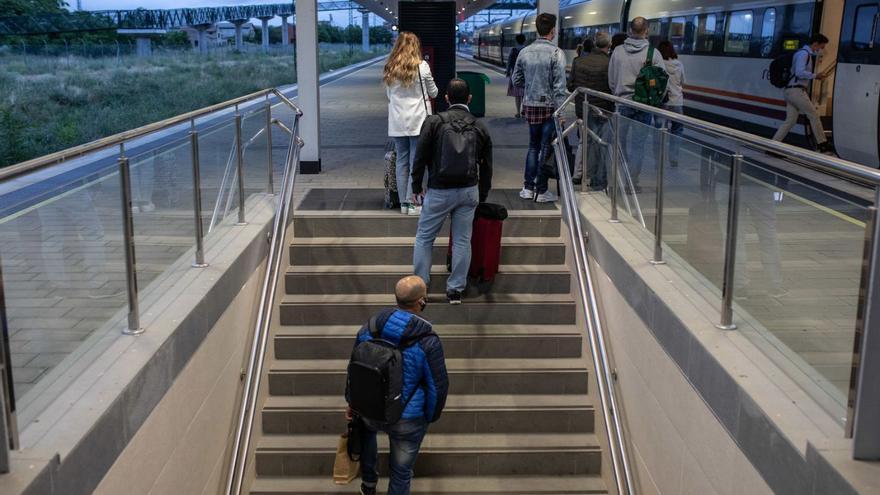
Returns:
<point x="768" y="30"/>
<point x="655" y="27"/>
<point x="739" y="33"/>
<point x="676" y="32"/>
<point x="865" y="26"/>
<point x="705" y="39"/>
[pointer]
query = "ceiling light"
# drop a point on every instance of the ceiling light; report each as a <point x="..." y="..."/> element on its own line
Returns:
<point x="567" y="17"/>
<point x="592" y="13"/>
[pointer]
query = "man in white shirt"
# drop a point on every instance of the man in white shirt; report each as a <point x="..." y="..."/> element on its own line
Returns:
<point x="797" y="100"/>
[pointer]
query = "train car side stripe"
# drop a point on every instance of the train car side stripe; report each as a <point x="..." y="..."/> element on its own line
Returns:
<point x="733" y="94"/>
<point x="735" y="105"/>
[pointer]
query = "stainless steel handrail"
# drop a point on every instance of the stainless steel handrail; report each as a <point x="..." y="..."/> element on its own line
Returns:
<point x="824" y="163"/>
<point x="122" y="137"/>
<point x="612" y="421"/>
<point x="256" y="359"/>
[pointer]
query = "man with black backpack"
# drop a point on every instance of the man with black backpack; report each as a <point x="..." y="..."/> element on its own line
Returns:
<point x="397" y="383"/>
<point x="794" y="72"/>
<point x="636" y="72"/>
<point x="456" y="150"/>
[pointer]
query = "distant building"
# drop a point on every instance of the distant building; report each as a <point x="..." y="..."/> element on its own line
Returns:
<point x="226" y="31"/>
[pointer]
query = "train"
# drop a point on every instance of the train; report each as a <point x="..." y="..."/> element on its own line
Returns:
<point x="726" y="47"/>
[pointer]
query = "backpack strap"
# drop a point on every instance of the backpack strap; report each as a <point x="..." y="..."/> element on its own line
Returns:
<point x="650" y="60"/>
<point x="375" y="331"/>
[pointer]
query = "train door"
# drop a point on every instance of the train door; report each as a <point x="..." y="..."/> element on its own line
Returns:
<point x="857" y="85"/>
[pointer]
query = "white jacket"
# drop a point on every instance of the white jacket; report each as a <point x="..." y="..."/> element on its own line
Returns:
<point x="675" y="69"/>
<point x="406" y="105"/>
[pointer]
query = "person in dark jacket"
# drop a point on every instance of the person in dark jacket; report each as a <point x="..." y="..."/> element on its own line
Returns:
<point x="512" y="90"/>
<point x="425" y="384"/>
<point x="454" y="189"/>
<point x="591" y="71"/>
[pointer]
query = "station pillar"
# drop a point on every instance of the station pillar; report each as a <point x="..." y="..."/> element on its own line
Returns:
<point x="434" y="24"/>
<point x="365" y="31"/>
<point x="265" y="32"/>
<point x="202" y="39"/>
<point x="307" y="81"/>
<point x="285" y="33"/>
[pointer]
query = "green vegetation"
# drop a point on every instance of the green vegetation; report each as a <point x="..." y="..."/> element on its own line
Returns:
<point x="52" y="103"/>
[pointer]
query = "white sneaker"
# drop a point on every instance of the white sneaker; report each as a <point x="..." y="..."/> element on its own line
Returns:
<point x="414" y="211"/>
<point x="527" y="194"/>
<point x="546" y="197"/>
<point x="404" y="209"/>
<point x="148" y="207"/>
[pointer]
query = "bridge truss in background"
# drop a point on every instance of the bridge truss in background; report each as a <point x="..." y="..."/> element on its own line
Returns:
<point x="148" y="19"/>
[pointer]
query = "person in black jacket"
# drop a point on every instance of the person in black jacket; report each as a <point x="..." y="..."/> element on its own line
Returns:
<point x="456" y="150"/>
<point x="591" y="71"/>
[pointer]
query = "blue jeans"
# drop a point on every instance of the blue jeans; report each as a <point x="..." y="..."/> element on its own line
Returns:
<point x="405" y="147"/>
<point x="635" y="139"/>
<point x="406" y="437"/>
<point x="440" y="203"/>
<point x="540" y="136"/>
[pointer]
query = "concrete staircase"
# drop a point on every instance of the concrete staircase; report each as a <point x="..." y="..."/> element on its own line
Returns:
<point x="519" y="418"/>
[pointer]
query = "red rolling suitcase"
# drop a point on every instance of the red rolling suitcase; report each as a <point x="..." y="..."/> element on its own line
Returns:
<point x="485" y="243"/>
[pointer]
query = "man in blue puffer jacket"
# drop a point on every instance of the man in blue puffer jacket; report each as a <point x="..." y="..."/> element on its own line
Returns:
<point x="424" y="380"/>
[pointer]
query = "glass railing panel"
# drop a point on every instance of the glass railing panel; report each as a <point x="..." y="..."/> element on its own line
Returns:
<point x="217" y="166"/>
<point x="598" y="157"/>
<point x="162" y="208"/>
<point x="696" y="187"/>
<point x="797" y="274"/>
<point x="63" y="269"/>
<point x="639" y="155"/>
<point x="255" y="151"/>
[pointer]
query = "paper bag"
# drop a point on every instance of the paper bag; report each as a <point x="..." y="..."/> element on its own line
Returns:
<point x="344" y="469"/>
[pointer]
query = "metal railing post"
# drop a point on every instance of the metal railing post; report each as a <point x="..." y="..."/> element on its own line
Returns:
<point x="585" y="140"/>
<point x="134" y="324"/>
<point x="270" y="185"/>
<point x="615" y="165"/>
<point x="197" y="197"/>
<point x="658" y="216"/>
<point x="730" y="246"/>
<point x="864" y="399"/>
<point x="9" y="420"/>
<point x="239" y="164"/>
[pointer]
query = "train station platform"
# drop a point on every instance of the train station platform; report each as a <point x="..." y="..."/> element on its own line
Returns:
<point x="578" y="314"/>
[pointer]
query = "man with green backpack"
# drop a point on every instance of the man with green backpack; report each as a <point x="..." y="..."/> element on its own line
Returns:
<point x="636" y="72"/>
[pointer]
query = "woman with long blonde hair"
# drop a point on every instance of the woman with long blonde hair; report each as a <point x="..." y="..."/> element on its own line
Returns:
<point x="409" y="86"/>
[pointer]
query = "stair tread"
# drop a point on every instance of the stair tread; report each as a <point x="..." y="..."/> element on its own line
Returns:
<point x="349" y="299"/>
<point x="440" y="484"/>
<point x="408" y="241"/>
<point x="407" y="269"/>
<point x="349" y="331"/>
<point x="453" y="402"/>
<point x="444" y="442"/>
<point x="452" y="364"/>
<point x="546" y="213"/>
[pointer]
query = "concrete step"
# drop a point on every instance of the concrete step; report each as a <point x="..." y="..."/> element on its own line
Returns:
<point x="481" y="485"/>
<point x="498" y="309"/>
<point x="567" y="454"/>
<point x="380" y="279"/>
<point x="381" y="224"/>
<point x="466" y="376"/>
<point x="305" y="251"/>
<point x="288" y="415"/>
<point x="459" y="341"/>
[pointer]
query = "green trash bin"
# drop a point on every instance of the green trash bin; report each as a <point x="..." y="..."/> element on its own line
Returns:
<point x="477" y="81"/>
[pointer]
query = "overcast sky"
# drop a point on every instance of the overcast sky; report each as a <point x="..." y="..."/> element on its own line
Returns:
<point x="339" y="17"/>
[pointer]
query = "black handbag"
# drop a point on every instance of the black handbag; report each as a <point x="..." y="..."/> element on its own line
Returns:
<point x="355" y="439"/>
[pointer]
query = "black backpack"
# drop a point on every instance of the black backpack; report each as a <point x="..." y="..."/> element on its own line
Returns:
<point x="458" y="151"/>
<point x="375" y="377"/>
<point x="780" y="71"/>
